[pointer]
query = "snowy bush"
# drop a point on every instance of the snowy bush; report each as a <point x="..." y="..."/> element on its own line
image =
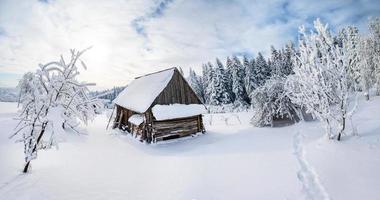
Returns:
<point x="271" y="102"/>
<point x="53" y="101"/>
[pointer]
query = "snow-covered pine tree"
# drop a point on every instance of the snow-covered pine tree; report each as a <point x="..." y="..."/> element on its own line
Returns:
<point x="269" y="64"/>
<point x="213" y="93"/>
<point x="196" y="83"/>
<point x="205" y="81"/>
<point x="53" y="101"/>
<point x="241" y="97"/>
<point x="224" y="94"/>
<point x="229" y="66"/>
<point x="250" y="81"/>
<point x="210" y="90"/>
<point x="276" y="63"/>
<point x="262" y="72"/>
<point x="287" y="56"/>
<point x="246" y="65"/>
<point x="217" y="89"/>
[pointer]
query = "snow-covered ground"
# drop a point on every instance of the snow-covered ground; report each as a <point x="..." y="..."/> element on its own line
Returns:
<point x="232" y="161"/>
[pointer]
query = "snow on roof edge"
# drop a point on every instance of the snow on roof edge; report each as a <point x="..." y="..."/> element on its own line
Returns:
<point x="174" y="111"/>
<point x="136" y="119"/>
<point x="151" y="84"/>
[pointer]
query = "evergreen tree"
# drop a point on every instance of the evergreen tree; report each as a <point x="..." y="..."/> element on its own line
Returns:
<point x="287" y="56"/>
<point x="262" y="72"/>
<point x="241" y="97"/>
<point x="224" y="93"/>
<point x="205" y="80"/>
<point x="210" y="76"/>
<point x="246" y="65"/>
<point x="275" y="62"/>
<point x="250" y="80"/>
<point x="196" y="83"/>
<point x="229" y="66"/>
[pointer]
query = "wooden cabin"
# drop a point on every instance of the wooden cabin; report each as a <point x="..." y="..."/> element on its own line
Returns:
<point x="159" y="106"/>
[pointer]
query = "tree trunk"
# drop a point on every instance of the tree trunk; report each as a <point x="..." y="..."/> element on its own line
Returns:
<point x="27" y="165"/>
<point x="328" y="129"/>
<point x="343" y="113"/>
<point x="366" y="94"/>
<point x="343" y="127"/>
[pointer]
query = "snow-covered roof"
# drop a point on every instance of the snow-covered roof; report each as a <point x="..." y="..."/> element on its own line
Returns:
<point x="172" y="111"/>
<point x="136" y="119"/>
<point x="141" y="92"/>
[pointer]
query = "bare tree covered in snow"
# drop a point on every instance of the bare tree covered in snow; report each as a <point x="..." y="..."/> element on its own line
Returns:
<point x="320" y="83"/>
<point x="53" y="101"/>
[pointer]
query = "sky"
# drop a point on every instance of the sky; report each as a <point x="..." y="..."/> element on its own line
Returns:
<point x="130" y="38"/>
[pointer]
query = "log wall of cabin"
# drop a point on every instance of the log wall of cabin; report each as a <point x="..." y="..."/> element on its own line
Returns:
<point x="159" y="130"/>
<point x="175" y="127"/>
<point x="177" y="91"/>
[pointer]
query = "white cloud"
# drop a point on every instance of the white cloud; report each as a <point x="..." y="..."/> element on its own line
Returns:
<point x="183" y="33"/>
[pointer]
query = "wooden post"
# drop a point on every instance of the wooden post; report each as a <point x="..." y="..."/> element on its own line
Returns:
<point x="199" y="123"/>
<point x="110" y="118"/>
<point x="120" y="120"/>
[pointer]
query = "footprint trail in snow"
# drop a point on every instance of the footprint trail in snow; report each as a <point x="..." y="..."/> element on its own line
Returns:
<point x="312" y="187"/>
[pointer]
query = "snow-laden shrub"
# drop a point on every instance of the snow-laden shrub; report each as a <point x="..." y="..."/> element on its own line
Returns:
<point x="53" y="101"/>
<point x="270" y="102"/>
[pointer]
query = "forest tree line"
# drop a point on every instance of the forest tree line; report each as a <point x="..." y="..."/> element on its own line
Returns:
<point x="322" y="75"/>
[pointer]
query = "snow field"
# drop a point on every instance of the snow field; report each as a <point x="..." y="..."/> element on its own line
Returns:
<point x="233" y="160"/>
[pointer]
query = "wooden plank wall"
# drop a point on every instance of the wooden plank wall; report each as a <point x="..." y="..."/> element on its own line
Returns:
<point x="177" y="91"/>
<point x="180" y="127"/>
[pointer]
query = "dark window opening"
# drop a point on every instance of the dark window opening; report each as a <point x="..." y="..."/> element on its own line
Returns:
<point x="170" y="137"/>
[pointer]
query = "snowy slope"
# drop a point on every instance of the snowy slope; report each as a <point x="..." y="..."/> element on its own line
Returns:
<point x="232" y="161"/>
<point x="8" y="94"/>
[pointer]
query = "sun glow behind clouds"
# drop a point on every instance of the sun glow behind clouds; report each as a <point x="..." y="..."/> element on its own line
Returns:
<point x="176" y="33"/>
